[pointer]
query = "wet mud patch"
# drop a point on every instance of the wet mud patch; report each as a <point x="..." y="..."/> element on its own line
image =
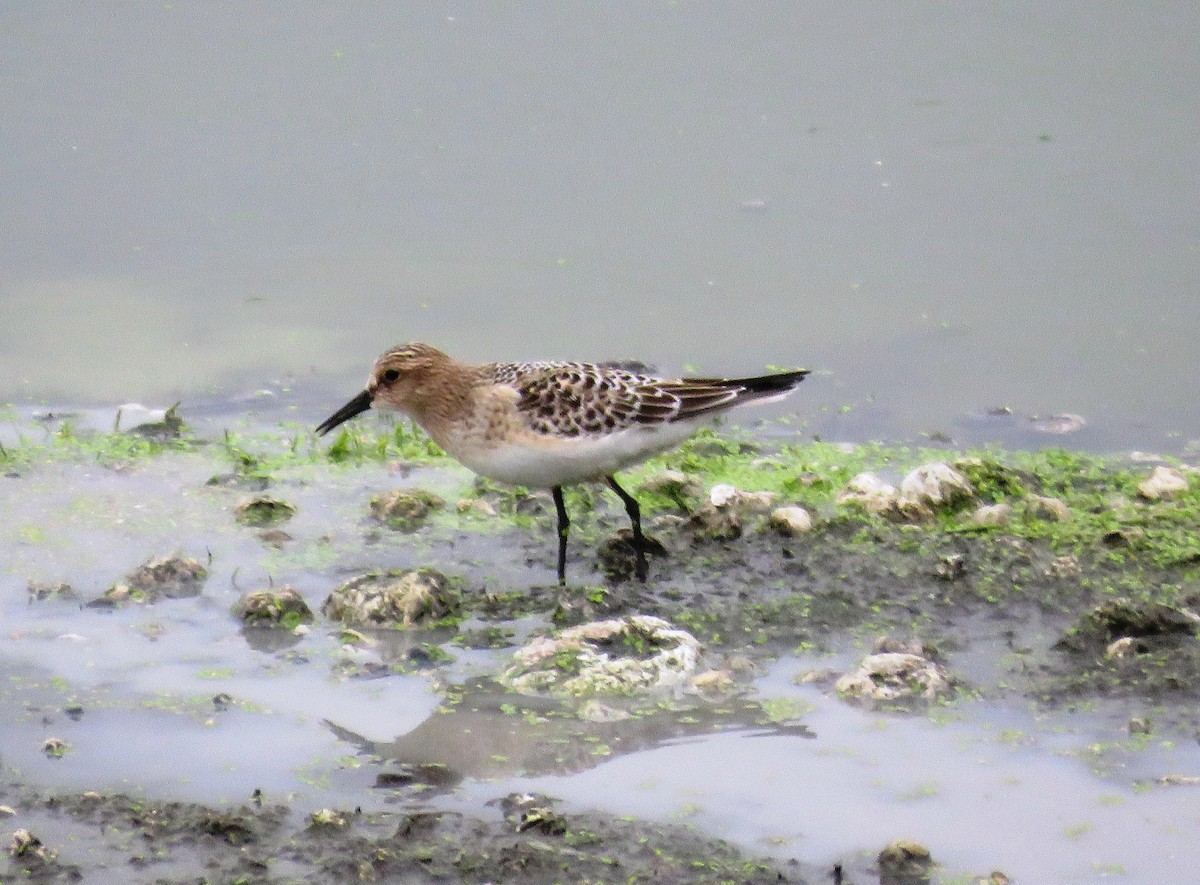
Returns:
<point x="1129" y="648"/>
<point x="521" y="838"/>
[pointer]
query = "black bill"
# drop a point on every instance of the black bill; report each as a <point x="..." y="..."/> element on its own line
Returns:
<point x="356" y="406"/>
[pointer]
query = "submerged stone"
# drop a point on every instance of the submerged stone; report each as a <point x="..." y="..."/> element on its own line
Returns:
<point x="40" y="590"/>
<point x="274" y="537"/>
<point x="168" y="577"/>
<point x="1067" y="422"/>
<point x="621" y="656"/>
<point x="405" y="509"/>
<point x="273" y="608"/>
<point x="262" y="511"/>
<point x="392" y="599"/>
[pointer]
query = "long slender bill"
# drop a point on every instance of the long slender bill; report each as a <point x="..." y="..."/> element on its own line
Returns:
<point x="356" y="406"/>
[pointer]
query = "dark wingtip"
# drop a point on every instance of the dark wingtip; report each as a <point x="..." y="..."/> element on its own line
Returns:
<point x="356" y="406"/>
<point x="778" y="382"/>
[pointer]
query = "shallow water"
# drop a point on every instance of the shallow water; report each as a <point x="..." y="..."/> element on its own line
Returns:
<point x="941" y="209"/>
<point x="1013" y="786"/>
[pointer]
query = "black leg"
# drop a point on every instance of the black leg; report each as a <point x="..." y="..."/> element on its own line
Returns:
<point x="563" y="524"/>
<point x="635" y="517"/>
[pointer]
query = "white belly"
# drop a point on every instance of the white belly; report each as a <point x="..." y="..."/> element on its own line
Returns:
<point x="544" y="462"/>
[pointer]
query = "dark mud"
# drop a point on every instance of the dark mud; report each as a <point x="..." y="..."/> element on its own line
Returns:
<point x="521" y="839"/>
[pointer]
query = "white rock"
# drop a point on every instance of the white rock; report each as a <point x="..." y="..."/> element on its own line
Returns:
<point x="891" y="675"/>
<point x="1163" y="482"/>
<point x="723" y="495"/>
<point x="621" y="656"/>
<point x="870" y="492"/>
<point x="791" y="520"/>
<point x="1125" y="647"/>
<point x="934" y="485"/>
<point x="1144" y="457"/>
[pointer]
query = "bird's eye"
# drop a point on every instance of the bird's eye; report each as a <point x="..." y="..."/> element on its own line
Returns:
<point x="391" y="375"/>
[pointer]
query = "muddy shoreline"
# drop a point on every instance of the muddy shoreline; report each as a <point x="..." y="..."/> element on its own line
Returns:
<point x="1088" y="607"/>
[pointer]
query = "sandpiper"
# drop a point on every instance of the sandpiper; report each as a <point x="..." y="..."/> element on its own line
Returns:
<point x="547" y="425"/>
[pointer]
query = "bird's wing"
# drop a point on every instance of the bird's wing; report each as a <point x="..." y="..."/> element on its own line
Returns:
<point x="580" y="399"/>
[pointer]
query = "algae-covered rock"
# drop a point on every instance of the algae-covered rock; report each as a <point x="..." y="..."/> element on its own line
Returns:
<point x="262" y="511"/>
<point x="395" y="598"/>
<point x="1045" y="507"/>
<point x="711" y="523"/>
<point x="273" y="608"/>
<point x="26" y="848"/>
<point x="533" y="811"/>
<point x="990" y="479"/>
<point x="1065" y="566"/>
<point x="621" y="656"/>
<point x="991" y="515"/>
<point x="889" y="676"/>
<point x="168" y="577"/>
<point x="41" y="590"/>
<point x="405" y="509"/>
<point x="618" y="555"/>
<point x="905" y="862"/>
<point x="476" y="507"/>
<point x="329" y="817"/>
<point x="723" y="516"/>
<point x="158" y="425"/>
<point x="683" y="489"/>
<point x="1163" y="482"/>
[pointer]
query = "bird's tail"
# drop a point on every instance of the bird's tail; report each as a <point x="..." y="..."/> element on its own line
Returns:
<point x="767" y="385"/>
<point x="700" y="396"/>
